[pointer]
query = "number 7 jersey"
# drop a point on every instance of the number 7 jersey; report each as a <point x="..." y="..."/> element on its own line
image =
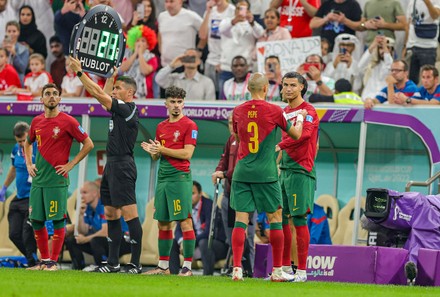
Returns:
<point x="256" y="123"/>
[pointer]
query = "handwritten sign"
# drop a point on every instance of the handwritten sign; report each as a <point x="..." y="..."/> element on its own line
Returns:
<point x="291" y="53"/>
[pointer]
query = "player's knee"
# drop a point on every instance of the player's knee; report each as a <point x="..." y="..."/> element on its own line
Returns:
<point x="299" y="221"/>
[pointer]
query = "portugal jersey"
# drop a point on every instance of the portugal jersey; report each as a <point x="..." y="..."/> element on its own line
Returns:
<point x="299" y="155"/>
<point x="175" y="136"/>
<point x="54" y="138"/>
<point x="256" y="122"/>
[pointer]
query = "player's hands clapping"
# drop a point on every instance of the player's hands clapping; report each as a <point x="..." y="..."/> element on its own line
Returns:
<point x="151" y="147"/>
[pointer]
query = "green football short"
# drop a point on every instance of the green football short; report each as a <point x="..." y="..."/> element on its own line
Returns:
<point x="246" y="197"/>
<point x="47" y="203"/>
<point x="298" y="192"/>
<point x="173" y="201"/>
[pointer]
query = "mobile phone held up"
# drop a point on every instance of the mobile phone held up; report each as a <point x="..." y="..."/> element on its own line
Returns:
<point x="342" y="50"/>
<point x="140" y="10"/>
<point x="272" y="67"/>
<point x="188" y="59"/>
<point x="308" y="65"/>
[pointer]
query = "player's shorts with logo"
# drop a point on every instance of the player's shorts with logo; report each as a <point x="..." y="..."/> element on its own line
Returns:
<point x="118" y="185"/>
<point x="47" y="203"/>
<point x="246" y="197"/>
<point x="173" y="200"/>
<point x="298" y="192"/>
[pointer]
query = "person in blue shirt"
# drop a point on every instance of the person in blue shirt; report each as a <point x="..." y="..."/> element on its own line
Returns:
<point x="318" y="226"/>
<point x="428" y="93"/>
<point x="397" y="82"/>
<point x="20" y="230"/>
<point x="92" y="230"/>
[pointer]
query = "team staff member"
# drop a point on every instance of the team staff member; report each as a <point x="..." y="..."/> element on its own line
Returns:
<point x="54" y="132"/>
<point x="118" y="193"/>
<point x="175" y="142"/>
<point x="20" y="231"/>
<point x="298" y="177"/>
<point x="255" y="179"/>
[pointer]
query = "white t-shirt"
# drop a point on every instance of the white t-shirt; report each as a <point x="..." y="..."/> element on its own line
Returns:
<point x="214" y="42"/>
<point x="423" y="17"/>
<point x="234" y="91"/>
<point x="34" y="82"/>
<point x="178" y="33"/>
<point x="71" y="83"/>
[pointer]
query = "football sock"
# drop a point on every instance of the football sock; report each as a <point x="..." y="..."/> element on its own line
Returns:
<point x="189" y="243"/>
<point x="238" y="238"/>
<point x="287" y="245"/>
<point x="42" y="239"/>
<point x="135" y="229"/>
<point x="302" y="240"/>
<point x="114" y="241"/>
<point x="57" y="243"/>
<point x="165" y="245"/>
<point x="277" y="242"/>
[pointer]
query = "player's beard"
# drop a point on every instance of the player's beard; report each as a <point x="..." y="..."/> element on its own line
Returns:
<point x="51" y="107"/>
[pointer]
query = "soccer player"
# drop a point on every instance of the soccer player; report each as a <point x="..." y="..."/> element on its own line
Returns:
<point x="20" y="231"/>
<point x="175" y="141"/>
<point x="118" y="186"/>
<point x="298" y="177"/>
<point x="255" y="179"/>
<point x="54" y="132"/>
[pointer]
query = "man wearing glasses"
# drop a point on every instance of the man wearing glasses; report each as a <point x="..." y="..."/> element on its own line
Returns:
<point x="53" y="131"/>
<point x="397" y="82"/>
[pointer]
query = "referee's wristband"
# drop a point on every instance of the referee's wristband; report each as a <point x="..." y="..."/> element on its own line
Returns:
<point x="300" y="118"/>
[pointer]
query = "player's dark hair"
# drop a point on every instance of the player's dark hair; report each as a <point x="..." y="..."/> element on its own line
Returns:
<point x="20" y="128"/>
<point x="299" y="77"/>
<point x="198" y="186"/>
<point x="128" y="80"/>
<point x="428" y="67"/>
<point x="48" y="86"/>
<point x="175" y="92"/>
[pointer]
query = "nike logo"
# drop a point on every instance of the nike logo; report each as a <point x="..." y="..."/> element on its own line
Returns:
<point x="295" y="208"/>
<point x="161" y="135"/>
<point x="176" y="213"/>
<point x="51" y="215"/>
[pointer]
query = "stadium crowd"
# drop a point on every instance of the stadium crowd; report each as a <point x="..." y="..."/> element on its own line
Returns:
<point x="372" y="52"/>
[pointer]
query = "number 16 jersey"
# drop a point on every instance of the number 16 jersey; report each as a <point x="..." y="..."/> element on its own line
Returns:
<point x="256" y="122"/>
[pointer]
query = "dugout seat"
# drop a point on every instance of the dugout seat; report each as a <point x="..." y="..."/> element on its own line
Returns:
<point x="331" y="208"/>
<point x="344" y="232"/>
<point x="7" y="248"/>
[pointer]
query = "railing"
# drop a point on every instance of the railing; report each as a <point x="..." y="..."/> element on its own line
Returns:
<point x="426" y="183"/>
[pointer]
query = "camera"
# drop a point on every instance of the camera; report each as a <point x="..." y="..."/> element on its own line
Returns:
<point x="188" y="59"/>
<point x="336" y="11"/>
<point x="140" y="10"/>
<point x="272" y="67"/>
<point x="307" y="66"/>
<point x="342" y="50"/>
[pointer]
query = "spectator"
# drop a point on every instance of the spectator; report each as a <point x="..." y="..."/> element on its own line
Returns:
<point x="397" y="81"/>
<point x="346" y="55"/>
<point x="381" y="18"/>
<point x="336" y="17"/>
<point x="7" y="14"/>
<point x="178" y="28"/>
<point x="236" y="88"/>
<point x="343" y="94"/>
<point x="421" y="49"/>
<point x="43" y="14"/>
<point x="92" y="231"/>
<point x="318" y="226"/>
<point x="30" y="36"/>
<point x="428" y="93"/>
<point x="149" y="16"/>
<point x="272" y="70"/>
<point x="35" y="80"/>
<point x="139" y="61"/>
<point x="20" y="231"/>
<point x="125" y="9"/>
<point x="18" y="53"/>
<point x="273" y="31"/>
<point x="317" y="82"/>
<point x="57" y="67"/>
<point x="296" y="15"/>
<point x="196" y="85"/>
<point x="9" y="78"/>
<point x="238" y="37"/>
<point x="71" y="85"/>
<point x="65" y="19"/>
<point x="375" y="64"/>
<point x="215" y="12"/>
<point x="201" y="215"/>
<point x="325" y="51"/>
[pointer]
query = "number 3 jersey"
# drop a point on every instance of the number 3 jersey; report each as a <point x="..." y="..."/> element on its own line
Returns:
<point x="54" y="138"/>
<point x="299" y="155"/>
<point x="256" y="122"/>
<point x="175" y="136"/>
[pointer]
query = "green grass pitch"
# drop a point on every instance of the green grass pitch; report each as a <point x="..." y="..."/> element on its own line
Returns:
<point x="66" y="283"/>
